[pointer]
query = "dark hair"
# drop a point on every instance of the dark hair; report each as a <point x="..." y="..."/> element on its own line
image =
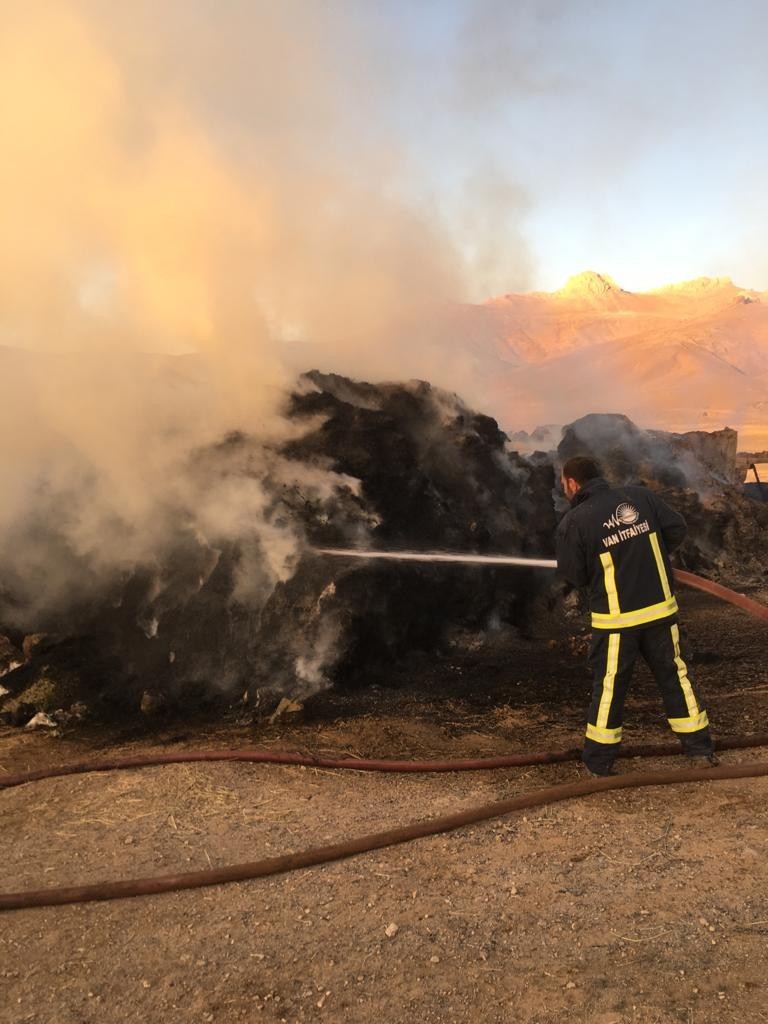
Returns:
<point x="581" y="469"/>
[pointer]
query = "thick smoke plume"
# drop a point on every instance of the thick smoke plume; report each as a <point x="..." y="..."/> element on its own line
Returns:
<point x="195" y="207"/>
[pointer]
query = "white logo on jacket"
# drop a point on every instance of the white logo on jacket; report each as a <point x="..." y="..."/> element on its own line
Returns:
<point x="625" y="515"/>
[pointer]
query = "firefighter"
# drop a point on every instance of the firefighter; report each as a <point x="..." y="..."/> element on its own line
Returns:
<point x="615" y="542"/>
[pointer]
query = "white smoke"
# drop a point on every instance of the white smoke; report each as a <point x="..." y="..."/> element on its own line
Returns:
<point x="196" y="209"/>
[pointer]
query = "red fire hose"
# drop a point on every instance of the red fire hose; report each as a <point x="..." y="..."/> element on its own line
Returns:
<point x="690" y="579"/>
<point x="379" y="840"/>
<point x="361" y="764"/>
<point x="374" y="841"/>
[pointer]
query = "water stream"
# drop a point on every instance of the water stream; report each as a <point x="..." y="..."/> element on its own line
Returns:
<point x="439" y="556"/>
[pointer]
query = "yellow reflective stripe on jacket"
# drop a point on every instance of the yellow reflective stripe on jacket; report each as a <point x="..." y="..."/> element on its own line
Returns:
<point x="611" y="665"/>
<point x="603" y="735"/>
<point x="614" y="608"/>
<point x="639" y="617"/>
<point x="692" y="724"/>
<point x="654" y="539"/>
<point x="682" y="673"/>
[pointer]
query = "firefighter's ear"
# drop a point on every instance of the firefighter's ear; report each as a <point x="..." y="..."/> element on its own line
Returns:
<point x="570" y="486"/>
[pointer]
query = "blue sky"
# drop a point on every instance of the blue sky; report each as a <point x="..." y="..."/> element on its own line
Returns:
<point x="632" y="135"/>
<point x="528" y="140"/>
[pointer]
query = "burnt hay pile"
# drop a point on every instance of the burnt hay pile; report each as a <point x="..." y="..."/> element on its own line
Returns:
<point x="392" y="466"/>
<point x="697" y="474"/>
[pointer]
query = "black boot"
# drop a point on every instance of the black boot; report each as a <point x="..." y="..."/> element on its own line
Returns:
<point x="703" y="760"/>
<point x="597" y="766"/>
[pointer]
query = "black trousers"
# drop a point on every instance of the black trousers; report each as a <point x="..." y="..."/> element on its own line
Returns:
<point x="612" y="659"/>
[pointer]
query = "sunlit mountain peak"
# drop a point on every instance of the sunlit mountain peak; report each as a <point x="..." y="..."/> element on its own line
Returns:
<point x="589" y="284"/>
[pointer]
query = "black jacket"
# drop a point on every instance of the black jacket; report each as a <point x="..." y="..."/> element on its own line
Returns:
<point x="615" y="542"/>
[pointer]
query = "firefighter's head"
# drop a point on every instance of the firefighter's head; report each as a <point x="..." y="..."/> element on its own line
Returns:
<point x="576" y="472"/>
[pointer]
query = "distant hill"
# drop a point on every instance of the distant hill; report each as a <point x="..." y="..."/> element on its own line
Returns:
<point x="687" y="356"/>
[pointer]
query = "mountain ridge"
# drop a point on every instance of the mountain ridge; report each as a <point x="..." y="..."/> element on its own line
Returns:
<point x="691" y="355"/>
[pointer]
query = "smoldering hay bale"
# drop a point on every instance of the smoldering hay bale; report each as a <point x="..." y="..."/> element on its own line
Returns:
<point x="390" y="466"/>
<point x="434" y="476"/>
<point x="698" y="474"/>
<point x="396" y="466"/>
<point x="697" y="459"/>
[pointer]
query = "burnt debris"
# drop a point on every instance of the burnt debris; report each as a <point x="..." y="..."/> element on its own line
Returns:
<point x="211" y="619"/>
<point x="255" y="614"/>
<point x="697" y="473"/>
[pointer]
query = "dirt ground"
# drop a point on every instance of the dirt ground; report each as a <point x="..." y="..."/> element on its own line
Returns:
<point x="640" y="906"/>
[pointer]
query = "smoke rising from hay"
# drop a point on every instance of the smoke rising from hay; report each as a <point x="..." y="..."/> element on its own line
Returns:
<point x="198" y="206"/>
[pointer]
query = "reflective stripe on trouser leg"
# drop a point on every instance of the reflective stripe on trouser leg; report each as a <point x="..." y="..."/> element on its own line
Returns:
<point x="660" y="646"/>
<point x="599" y="731"/>
<point x="612" y="659"/>
<point x="697" y="717"/>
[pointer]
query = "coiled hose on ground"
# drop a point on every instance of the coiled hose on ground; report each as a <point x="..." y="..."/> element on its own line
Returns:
<point x="325" y="854"/>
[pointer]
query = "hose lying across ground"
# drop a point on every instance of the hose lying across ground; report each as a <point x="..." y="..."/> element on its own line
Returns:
<point x="360" y="764"/>
<point x="391" y="837"/>
<point x="374" y="841"/>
